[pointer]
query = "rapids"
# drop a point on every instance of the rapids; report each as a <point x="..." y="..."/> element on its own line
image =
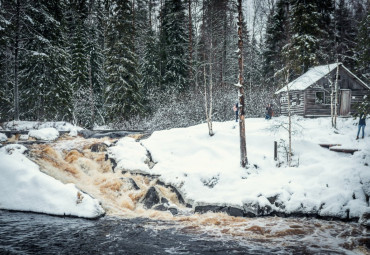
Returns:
<point x="121" y="194"/>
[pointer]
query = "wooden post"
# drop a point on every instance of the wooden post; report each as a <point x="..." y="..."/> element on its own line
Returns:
<point x="275" y="150"/>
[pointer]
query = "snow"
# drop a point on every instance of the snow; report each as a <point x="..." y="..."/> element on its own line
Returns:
<point x="310" y="77"/>
<point x="23" y="187"/>
<point x="129" y="155"/>
<point x="3" y="137"/>
<point x="49" y="134"/>
<point x="34" y="125"/>
<point x="206" y="169"/>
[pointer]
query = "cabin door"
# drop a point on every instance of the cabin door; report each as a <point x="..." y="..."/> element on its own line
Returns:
<point x="345" y="102"/>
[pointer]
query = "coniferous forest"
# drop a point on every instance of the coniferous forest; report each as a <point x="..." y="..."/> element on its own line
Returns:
<point x="154" y="64"/>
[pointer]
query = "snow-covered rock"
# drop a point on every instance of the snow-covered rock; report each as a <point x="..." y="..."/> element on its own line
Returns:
<point x="23" y="187"/>
<point x="32" y="125"/>
<point x="129" y="155"/>
<point x="49" y="134"/>
<point x="3" y="137"/>
<point x="24" y="137"/>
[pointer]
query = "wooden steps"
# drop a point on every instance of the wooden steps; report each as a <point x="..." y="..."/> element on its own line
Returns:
<point x="337" y="148"/>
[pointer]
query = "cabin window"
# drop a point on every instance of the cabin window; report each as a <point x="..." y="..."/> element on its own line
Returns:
<point x="319" y="98"/>
<point x="298" y="100"/>
<point x="327" y="98"/>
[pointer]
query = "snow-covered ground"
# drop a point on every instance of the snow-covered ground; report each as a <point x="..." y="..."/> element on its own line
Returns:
<point x="23" y="187"/>
<point x="206" y="169"/>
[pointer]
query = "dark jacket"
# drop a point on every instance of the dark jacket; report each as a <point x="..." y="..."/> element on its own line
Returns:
<point x="362" y="121"/>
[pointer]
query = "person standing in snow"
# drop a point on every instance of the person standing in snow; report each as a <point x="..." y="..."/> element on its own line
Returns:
<point x="236" y="110"/>
<point x="269" y="112"/>
<point x="361" y="124"/>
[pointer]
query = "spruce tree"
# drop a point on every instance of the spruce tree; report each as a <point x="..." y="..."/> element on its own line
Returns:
<point x="123" y="95"/>
<point x="174" y="42"/>
<point x="275" y="40"/>
<point x="6" y="86"/>
<point x="95" y="61"/>
<point x="46" y="92"/>
<point x="363" y="49"/>
<point x="310" y="37"/>
<point x="305" y="36"/>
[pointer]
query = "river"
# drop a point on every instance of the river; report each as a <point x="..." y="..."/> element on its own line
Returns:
<point x="130" y="228"/>
<point x="29" y="233"/>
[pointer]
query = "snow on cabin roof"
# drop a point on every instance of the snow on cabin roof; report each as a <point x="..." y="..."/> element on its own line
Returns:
<point x="310" y="77"/>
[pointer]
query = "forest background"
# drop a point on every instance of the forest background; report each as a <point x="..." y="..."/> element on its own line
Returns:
<point x="156" y="64"/>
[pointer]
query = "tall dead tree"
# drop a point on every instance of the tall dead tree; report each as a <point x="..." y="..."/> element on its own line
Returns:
<point x="16" y="60"/>
<point x="190" y="42"/>
<point x="208" y="99"/>
<point x="243" y="145"/>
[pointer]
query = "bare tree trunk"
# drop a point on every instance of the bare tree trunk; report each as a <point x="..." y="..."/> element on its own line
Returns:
<point x="190" y="43"/>
<point x="16" y="64"/>
<point x="243" y="145"/>
<point x="289" y="120"/>
<point x="206" y="100"/>
<point x="332" y="104"/>
<point x="209" y="115"/>
<point x="334" y="122"/>
<point x="92" y="104"/>
<point x="150" y="14"/>
<point x="336" y="97"/>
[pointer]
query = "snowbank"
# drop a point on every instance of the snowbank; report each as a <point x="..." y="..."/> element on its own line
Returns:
<point x="49" y="134"/>
<point x="34" y="125"/>
<point x="23" y="187"/>
<point x="3" y="137"/>
<point x="206" y="169"/>
<point x="129" y="155"/>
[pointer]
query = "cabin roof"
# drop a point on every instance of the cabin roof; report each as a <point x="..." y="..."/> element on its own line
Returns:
<point x="313" y="75"/>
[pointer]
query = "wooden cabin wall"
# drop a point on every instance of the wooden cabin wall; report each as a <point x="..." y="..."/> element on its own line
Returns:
<point x="313" y="108"/>
<point x="297" y="103"/>
<point x="358" y="91"/>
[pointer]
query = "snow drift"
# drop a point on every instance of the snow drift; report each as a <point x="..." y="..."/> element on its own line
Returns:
<point x="24" y="188"/>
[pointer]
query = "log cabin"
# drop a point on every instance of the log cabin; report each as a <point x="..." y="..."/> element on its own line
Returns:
<point x="310" y="94"/>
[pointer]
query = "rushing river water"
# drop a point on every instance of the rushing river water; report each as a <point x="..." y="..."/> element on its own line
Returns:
<point x="130" y="228"/>
<point x="28" y="233"/>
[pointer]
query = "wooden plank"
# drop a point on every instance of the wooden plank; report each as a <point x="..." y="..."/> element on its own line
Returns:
<point x="351" y="151"/>
<point x="329" y="145"/>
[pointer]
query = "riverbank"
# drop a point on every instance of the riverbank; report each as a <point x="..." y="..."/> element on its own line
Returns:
<point x="206" y="174"/>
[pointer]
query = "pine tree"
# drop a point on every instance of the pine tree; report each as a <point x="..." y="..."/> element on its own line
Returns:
<point x="123" y="95"/>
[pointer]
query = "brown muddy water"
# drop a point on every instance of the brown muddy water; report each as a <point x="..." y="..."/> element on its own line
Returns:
<point x="129" y="228"/>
